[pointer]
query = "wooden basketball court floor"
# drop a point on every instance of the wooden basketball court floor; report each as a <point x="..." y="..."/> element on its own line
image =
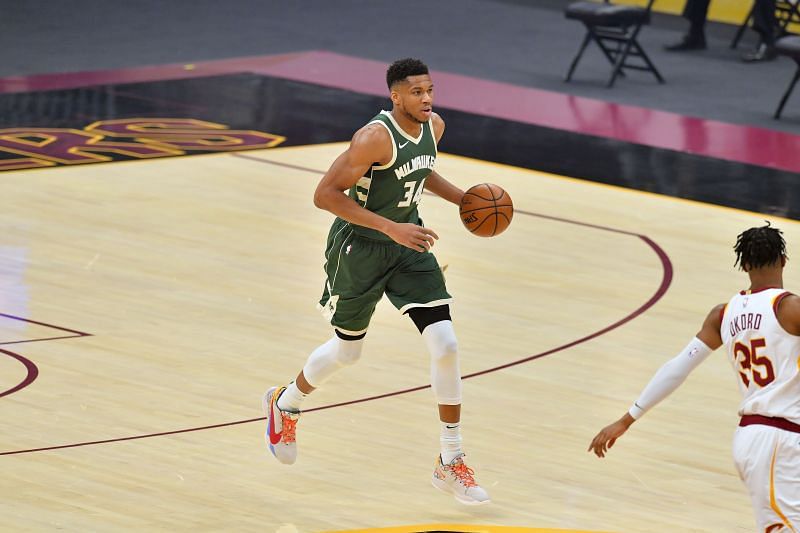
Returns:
<point x="179" y="289"/>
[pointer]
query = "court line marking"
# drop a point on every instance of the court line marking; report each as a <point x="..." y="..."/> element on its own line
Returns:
<point x="32" y="371"/>
<point x="45" y="324"/>
<point x="666" y="280"/>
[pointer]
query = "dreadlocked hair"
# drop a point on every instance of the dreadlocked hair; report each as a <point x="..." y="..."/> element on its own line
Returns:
<point x="759" y="247"/>
<point x="403" y="68"/>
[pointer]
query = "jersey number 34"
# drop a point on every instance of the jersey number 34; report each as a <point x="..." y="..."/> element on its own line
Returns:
<point x="413" y="193"/>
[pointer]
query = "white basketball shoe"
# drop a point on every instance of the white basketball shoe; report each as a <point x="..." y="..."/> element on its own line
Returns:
<point x="280" y="434"/>
<point x="457" y="479"/>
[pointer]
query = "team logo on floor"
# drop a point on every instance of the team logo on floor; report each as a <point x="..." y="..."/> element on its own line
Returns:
<point x="123" y="139"/>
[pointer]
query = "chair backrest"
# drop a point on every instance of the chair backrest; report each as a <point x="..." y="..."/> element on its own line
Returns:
<point x="788" y="13"/>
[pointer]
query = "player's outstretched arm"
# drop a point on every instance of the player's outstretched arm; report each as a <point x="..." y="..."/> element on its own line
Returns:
<point x="665" y="381"/>
<point x="370" y="144"/>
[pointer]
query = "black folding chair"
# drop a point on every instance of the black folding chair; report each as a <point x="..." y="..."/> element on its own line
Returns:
<point x="790" y="47"/>
<point x="786" y="13"/>
<point x="614" y="28"/>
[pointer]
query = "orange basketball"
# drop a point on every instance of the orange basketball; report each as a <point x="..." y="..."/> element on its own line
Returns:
<point x="486" y="210"/>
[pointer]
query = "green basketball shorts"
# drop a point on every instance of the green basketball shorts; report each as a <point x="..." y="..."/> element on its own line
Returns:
<point x="361" y="270"/>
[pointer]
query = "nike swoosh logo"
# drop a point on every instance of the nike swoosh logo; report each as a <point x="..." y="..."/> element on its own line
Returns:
<point x="401" y="146"/>
<point x="274" y="438"/>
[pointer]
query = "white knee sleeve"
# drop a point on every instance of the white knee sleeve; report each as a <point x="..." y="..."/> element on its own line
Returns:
<point x="330" y="357"/>
<point x="445" y="372"/>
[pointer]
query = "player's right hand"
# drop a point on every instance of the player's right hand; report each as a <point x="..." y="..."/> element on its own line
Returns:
<point x="412" y="236"/>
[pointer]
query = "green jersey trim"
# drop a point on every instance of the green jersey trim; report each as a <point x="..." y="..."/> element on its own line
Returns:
<point x="406" y="135"/>
<point x="394" y="146"/>
<point x="434" y="303"/>
<point x="402" y="132"/>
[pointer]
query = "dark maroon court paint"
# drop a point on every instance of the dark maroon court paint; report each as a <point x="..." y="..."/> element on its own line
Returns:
<point x="31" y="373"/>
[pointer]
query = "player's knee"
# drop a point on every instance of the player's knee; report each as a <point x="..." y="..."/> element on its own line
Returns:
<point x="442" y="343"/>
<point x="445" y="352"/>
<point x="349" y="352"/>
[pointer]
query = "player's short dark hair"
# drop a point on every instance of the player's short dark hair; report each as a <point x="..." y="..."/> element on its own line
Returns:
<point x="759" y="247"/>
<point x="403" y="68"/>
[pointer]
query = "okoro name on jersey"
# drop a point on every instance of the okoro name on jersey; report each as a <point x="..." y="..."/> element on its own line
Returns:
<point x="744" y="321"/>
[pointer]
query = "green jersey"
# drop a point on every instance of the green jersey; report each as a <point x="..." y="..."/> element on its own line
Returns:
<point x="394" y="190"/>
<point x="363" y="264"/>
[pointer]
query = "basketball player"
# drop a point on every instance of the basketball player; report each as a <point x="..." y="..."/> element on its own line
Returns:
<point x="378" y="245"/>
<point x="760" y="328"/>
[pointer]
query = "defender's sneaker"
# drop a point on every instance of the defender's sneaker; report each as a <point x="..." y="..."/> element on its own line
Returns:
<point x="457" y="478"/>
<point x="280" y="434"/>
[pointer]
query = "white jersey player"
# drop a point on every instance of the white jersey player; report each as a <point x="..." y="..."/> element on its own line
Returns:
<point x="760" y="329"/>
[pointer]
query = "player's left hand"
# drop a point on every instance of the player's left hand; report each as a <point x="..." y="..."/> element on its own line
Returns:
<point x="418" y="238"/>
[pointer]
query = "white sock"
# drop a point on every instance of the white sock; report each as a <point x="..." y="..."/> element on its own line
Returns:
<point x="450" y="440"/>
<point x="291" y="398"/>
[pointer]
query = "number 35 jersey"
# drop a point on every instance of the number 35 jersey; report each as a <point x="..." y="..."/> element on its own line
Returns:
<point x="765" y="358"/>
<point x="394" y="190"/>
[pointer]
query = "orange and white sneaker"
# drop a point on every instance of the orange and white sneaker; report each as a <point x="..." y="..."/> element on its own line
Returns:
<point x="457" y="479"/>
<point x="280" y="434"/>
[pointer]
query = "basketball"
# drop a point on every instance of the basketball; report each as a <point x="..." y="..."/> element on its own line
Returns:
<point x="486" y="210"/>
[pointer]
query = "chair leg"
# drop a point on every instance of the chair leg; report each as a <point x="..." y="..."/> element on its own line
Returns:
<point x="742" y="27"/>
<point x="787" y="93"/>
<point x="621" y="56"/>
<point x="650" y="65"/>
<point x="574" y="64"/>
<point x="611" y="54"/>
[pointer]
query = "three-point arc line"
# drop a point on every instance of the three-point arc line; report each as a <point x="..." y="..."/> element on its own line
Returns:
<point x="666" y="280"/>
